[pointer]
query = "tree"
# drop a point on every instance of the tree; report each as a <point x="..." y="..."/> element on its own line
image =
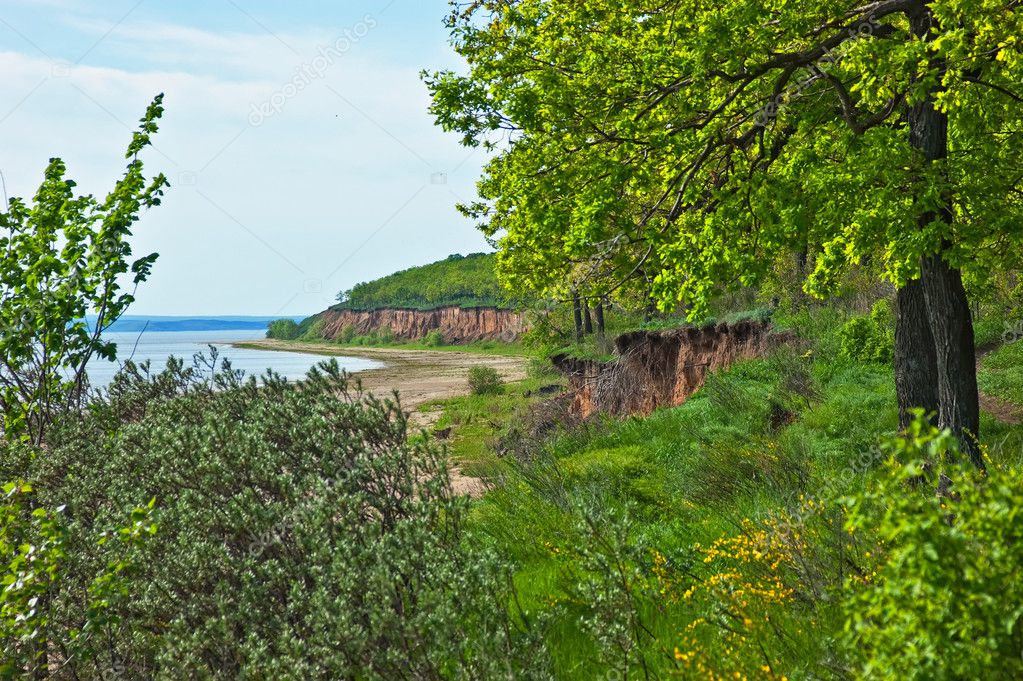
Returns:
<point x="699" y="142"/>
<point x="283" y="329"/>
<point x="63" y="262"/>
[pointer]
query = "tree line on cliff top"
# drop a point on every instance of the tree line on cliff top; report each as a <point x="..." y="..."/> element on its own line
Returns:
<point x="464" y="281"/>
<point x="688" y="146"/>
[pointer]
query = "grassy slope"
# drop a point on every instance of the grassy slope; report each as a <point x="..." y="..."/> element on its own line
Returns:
<point x="683" y="478"/>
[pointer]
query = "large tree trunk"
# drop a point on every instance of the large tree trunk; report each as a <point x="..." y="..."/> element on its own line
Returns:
<point x="587" y="318"/>
<point x="952" y="327"/>
<point x="598" y="312"/>
<point x="948" y="309"/>
<point x="916" y="367"/>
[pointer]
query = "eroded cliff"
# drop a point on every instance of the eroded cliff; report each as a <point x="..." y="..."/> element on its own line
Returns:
<point x="655" y="369"/>
<point x="457" y="324"/>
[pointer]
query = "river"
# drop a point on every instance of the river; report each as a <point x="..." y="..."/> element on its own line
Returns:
<point x="156" y="346"/>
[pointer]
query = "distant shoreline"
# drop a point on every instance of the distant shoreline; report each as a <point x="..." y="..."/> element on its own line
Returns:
<point x="419" y="376"/>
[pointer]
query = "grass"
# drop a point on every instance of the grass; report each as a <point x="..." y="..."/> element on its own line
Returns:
<point x="1001" y="373"/>
<point x="479" y="422"/>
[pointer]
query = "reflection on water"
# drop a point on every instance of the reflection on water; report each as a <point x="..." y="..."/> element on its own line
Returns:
<point x="157" y="346"/>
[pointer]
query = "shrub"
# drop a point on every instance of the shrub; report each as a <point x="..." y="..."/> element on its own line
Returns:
<point x="484" y="380"/>
<point x="870" y="338"/>
<point x="283" y="329"/>
<point x="434" y="339"/>
<point x="34" y="544"/>
<point x="942" y="600"/>
<point x="302" y="535"/>
<point x="347" y="334"/>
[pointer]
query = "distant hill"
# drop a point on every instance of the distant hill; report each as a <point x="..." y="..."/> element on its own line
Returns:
<point x="138" y="323"/>
<point x="463" y="281"/>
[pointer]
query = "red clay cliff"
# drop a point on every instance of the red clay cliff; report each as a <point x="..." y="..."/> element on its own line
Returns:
<point x="457" y="324"/>
<point x="661" y="368"/>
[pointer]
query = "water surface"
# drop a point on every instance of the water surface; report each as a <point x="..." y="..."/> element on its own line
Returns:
<point x="156" y="346"/>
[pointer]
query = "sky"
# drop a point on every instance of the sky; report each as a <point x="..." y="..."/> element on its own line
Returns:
<point x="296" y="138"/>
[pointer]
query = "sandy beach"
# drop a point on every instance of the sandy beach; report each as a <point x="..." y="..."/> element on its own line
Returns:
<point x="419" y="376"/>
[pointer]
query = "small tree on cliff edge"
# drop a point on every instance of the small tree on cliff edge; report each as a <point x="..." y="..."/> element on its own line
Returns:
<point x="704" y="139"/>
<point x="63" y="262"/>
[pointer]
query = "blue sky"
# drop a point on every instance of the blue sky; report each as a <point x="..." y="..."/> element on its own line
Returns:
<point x="296" y="138"/>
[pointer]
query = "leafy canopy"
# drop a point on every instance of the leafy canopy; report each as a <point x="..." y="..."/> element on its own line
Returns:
<point x="691" y="142"/>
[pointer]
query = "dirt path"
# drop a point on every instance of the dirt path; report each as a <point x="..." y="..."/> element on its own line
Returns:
<point x="1006" y="412"/>
<point x="419" y="376"/>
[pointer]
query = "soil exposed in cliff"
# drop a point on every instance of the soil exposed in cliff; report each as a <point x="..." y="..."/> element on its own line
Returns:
<point x="661" y="368"/>
<point x="457" y="324"/>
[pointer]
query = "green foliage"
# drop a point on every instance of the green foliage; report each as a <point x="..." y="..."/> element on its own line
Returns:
<point x="484" y="380"/>
<point x="302" y="534"/>
<point x="464" y="281"/>
<point x="760" y="314"/>
<point x="283" y="329"/>
<point x="312" y="332"/>
<point x="942" y="599"/>
<point x="347" y="334"/>
<point x="34" y="545"/>
<point x="64" y="257"/>
<point x="434" y="339"/>
<point x="870" y="338"/>
<point x="692" y="145"/>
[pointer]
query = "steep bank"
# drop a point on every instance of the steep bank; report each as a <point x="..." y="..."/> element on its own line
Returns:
<point x="661" y="368"/>
<point x="457" y="324"/>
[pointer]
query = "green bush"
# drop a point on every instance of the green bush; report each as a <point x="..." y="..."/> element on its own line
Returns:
<point x="347" y="335"/>
<point x="484" y="380"/>
<point x="434" y="339"/>
<point x="34" y="545"/>
<point x="283" y="329"/>
<point x="943" y="600"/>
<point x="870" y="338"/>
<point x="302" y="535"/>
